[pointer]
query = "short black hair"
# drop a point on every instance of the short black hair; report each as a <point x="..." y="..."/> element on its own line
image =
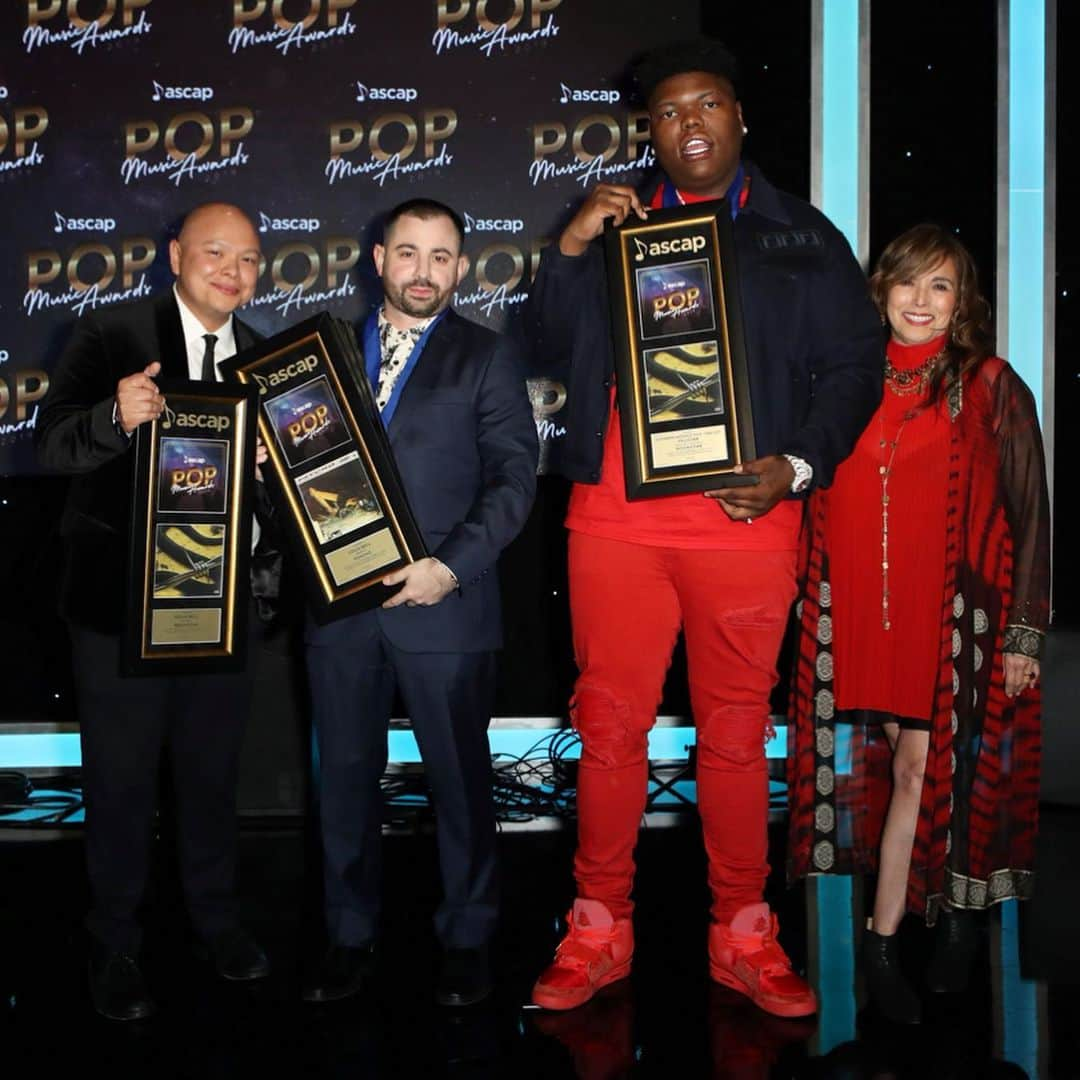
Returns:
<point x="699" y="54"/>
<point x="425" y="209"/>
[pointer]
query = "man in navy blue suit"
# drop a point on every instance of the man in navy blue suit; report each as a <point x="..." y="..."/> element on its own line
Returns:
<point x="453" y="398"/>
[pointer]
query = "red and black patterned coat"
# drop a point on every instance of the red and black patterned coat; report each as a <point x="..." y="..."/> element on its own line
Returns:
<point x="975" y="838"/>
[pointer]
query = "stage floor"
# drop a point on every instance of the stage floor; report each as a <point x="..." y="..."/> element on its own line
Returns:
<point x="1018" y="1019"/>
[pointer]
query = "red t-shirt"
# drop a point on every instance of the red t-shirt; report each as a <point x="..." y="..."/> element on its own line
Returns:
<point x="678" y="521"/>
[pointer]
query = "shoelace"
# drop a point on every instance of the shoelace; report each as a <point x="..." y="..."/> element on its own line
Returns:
<point x="580" y="947"/>
<point x="769" y="957"/>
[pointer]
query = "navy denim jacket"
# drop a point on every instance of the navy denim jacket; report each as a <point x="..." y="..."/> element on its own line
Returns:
<point x="814" y="340"/>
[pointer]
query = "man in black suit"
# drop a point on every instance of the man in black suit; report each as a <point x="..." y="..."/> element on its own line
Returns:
<point x="454" y="401"/>
<point x="103" y="389"/>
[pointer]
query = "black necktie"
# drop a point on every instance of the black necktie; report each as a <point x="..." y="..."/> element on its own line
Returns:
<point x="209" y="369"/>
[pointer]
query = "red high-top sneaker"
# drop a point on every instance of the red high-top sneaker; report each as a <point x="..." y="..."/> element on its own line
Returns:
<point x="596" y="951"/>
<point x="746" y="956"/>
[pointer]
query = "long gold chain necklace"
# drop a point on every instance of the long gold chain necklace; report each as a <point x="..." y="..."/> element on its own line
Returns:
<point x="885" y="471"/>
<point x="903" y="382"/>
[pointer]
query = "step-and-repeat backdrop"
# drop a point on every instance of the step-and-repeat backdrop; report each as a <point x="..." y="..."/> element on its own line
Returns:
<point x="316" y="116"/>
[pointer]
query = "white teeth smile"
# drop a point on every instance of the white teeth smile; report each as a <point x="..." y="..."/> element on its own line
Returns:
<point x="918" y="318"/>
<point x="695" y="147"/>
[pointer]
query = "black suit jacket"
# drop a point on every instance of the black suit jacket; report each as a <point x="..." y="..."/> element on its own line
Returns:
<point x="464" y="439"/>
<point x="75" y="435"/>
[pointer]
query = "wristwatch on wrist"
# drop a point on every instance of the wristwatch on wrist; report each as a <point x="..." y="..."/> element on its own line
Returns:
<point x="804" y="473"/>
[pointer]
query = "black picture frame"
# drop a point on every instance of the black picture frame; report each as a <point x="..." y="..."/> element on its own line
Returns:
<point x="190" y="540"/>
<point x="331" y="472"/>
<point x="680" y="355"/>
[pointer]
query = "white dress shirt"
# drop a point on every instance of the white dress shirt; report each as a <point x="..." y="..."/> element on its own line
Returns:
<point x="194" y="340"/>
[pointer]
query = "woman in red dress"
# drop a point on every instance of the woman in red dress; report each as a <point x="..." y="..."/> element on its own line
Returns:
<point x="914" y="748"/>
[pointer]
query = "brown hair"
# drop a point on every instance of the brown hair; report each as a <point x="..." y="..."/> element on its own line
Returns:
<point x="970" y="338"/>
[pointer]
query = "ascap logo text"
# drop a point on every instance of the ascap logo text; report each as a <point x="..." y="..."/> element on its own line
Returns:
<point x="81" y="224"/>
<point x="180" y="93"/>
<point x="676" y="246"/>
<point x="201" y="420"/>
<point x="303" y="366"/>
<point x="568" y="94"/>
<point x="386" y="93"/>
<point x="276" y="224"/>
<point x="510" y="225"/>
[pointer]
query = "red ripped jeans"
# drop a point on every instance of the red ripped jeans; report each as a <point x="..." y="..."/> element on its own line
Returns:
<point x="628" y="602"/>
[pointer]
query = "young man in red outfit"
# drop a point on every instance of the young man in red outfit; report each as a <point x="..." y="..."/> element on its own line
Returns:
<point x="721" y="568"/>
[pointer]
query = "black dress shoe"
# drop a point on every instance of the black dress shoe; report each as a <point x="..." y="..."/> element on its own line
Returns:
<point x="237" y="957"/>
<point x="466" y="977"/>
<point x="117" y="987"/>
<point x="343" y="970"/>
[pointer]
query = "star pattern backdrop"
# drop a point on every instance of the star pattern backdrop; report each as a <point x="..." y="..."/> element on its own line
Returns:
<point x="317" y="116"/>
<point x="319" y="130"/>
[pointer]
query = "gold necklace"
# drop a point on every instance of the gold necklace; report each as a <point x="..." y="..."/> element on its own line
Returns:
<point x="885" y="471"/>
<point x="905" y="381"/>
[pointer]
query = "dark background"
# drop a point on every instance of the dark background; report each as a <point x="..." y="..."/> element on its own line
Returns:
<point x="932" y="156"/>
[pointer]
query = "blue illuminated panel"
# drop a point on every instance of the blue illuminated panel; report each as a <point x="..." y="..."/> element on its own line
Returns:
<point x="1026" y="274"/>
<point x="1019" y="1002"/>
<point x="841" y="192"/>
<point x="836" y="964"/>
<point x="60" y="750"/>
<point x="839" y="122"/>
<point x="47" y="750"/>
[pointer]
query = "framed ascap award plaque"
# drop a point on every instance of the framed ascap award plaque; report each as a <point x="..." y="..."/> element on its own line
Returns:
<point x="331" y="471"/>
<point x="190" y="542"/>
<point x="680" y="359"/>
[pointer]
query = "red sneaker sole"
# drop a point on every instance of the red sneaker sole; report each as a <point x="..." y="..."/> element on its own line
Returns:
<point x="775" y="1008"/>
<point x="559" y="1000"/>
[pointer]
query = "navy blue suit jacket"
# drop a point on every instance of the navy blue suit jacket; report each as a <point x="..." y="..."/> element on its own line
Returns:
<point x="464" y="439"/>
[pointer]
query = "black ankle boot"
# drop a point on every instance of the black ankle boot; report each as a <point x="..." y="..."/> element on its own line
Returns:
<point x="957" y="938"/>
<point x="889" y="990"/>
